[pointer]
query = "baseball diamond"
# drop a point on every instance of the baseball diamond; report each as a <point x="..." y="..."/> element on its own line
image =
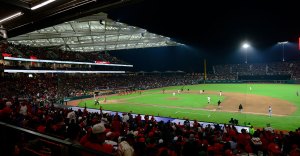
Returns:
<point x="193" y="105"/>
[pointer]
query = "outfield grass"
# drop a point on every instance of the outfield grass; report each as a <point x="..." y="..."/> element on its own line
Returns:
<point x="153" y="102"/>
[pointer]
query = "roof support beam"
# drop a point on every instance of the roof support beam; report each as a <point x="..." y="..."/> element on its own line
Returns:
<point x="67" y="34"/>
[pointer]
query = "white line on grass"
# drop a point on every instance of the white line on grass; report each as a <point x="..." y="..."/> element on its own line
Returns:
<point x="190" y="113"/>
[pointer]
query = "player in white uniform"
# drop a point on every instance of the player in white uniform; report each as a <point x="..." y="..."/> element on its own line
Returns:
<point x="208" y="100"/>
<point x="270" y="111"/>
<point x="220" y="93"/>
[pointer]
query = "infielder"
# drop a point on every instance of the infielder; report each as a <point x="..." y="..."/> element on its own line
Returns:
<point x="208" y="100"/>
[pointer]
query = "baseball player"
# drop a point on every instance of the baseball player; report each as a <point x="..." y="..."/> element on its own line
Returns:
<point x="208" y="100"/>
<point x="219" y="103"/>
<point x="240" y="108"/>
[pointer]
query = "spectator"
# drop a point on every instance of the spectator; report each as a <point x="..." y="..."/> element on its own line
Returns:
<point x="125" y="147"/>
<point x="96" y="140"/>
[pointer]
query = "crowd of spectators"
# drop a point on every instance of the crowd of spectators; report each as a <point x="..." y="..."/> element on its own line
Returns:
<point x="232" y="71"/>
<point x="134" y="135"/>
<point x="219" y="72"/>
<point x="28" y="102"/>
<point x="20" y="105"/>
<point x="55" y="53"/>
<point x="55" y="87"/>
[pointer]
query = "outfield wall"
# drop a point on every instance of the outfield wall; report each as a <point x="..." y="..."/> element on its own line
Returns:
<point x="252" y="81"/>
<point x="264" y="77"/>
<point x="77" y="98"/>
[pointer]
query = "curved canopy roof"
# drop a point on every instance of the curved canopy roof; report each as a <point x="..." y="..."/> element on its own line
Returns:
<point x="93" y="33"/>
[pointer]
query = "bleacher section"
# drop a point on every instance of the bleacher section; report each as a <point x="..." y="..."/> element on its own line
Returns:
<point x="274" y="71"/>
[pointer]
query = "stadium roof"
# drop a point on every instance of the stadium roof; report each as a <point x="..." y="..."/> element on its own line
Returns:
<point x="93" y="33"/>
<point x="55" y="12"/>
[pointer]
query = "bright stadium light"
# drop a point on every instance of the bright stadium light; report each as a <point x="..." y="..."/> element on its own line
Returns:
<point x="42" y="4"/>
<point x="246" y="46"/>
<point x="11" y="17"/>
<point x="283" y="43"/>
<point x="63" y="62"/>
<point x="62" y="71"/>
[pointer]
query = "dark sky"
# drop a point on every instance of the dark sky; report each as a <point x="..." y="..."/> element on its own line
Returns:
<point x="215" y="22"/>
<point x="213" y="30"/>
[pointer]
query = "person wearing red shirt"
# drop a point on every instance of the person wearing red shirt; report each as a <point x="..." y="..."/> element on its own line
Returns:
<point x="96" y="140"/>
<point x="274" y="149"/>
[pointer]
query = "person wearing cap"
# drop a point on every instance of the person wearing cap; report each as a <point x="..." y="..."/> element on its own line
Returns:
<point x="96" y="140"/>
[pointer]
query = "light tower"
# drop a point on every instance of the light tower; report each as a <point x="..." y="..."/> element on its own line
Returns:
<point x="246" y="46"/>
<point x="282" y="44"/>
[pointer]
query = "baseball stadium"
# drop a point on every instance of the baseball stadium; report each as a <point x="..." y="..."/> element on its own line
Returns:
<point x="115" y="77"/>
<point x="194" y="105"/>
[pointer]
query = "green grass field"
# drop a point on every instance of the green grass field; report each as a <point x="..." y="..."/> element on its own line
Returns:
<point x="153" y="102"/>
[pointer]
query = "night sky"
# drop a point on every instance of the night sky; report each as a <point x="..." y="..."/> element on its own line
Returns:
<point x="212" y="30"/>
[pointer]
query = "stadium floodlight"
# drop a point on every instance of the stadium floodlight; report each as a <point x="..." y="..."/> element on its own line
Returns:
<point x="11" y="17"/>
<point x="42" y="4"/>
<point x="246" y="46"/>
<point x="62" y="71"/>
<point x="283" y="43"/>
<point x="63" y="62"/>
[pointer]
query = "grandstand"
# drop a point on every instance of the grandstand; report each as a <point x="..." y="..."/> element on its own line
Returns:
<point x="68" y="89"/>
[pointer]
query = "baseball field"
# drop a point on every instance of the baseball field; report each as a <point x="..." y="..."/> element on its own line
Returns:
<point x="191" y="104"/>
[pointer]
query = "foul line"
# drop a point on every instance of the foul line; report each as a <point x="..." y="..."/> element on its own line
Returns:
<point x="203" y="109"/>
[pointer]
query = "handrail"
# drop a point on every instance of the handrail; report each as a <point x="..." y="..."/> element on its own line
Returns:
<point x="64" y="142"/>
<point x="36" y="133"/>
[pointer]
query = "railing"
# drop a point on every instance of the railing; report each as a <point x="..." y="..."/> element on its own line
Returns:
<point x="37" y="144"/>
